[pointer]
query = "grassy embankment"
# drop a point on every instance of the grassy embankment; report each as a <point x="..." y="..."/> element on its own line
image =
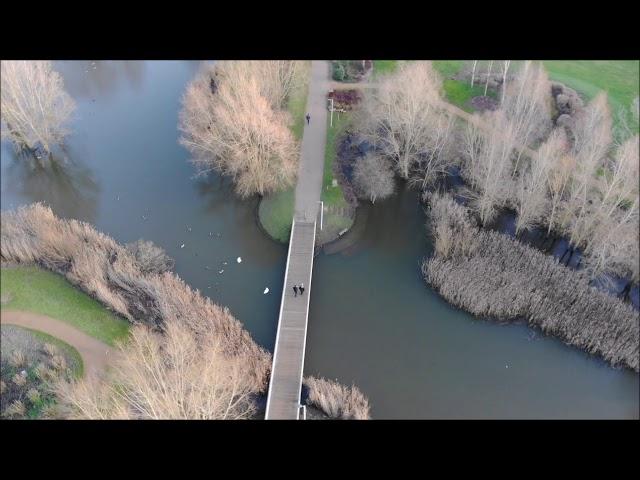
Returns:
<point x="35" y="290"/>
<point x="619" y="78"/>
<point x="335" y="219"/>
<point x="276" y="211"/>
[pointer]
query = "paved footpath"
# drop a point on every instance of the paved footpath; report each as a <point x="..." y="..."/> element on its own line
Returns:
<point x="311" y="167"/>
<point x="95" y="354"/>
<point x="285" y="385"/>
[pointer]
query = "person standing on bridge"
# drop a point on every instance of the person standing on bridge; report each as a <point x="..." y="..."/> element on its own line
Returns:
<point x="308" y="117"/>
<point x="301" y="288"/>
<point x="295" y="290"/>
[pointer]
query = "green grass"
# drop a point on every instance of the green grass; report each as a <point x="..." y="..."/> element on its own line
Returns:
<point x="70" y="352"/>
<point x="381" y="67"/>
<point x="460" y="93"/>
<point x="619" y="78"/>
<point x="447" y="68"/>
<point x="333" y="196"/>
<point x="35" y="290"/>
<point x="276" y="213"/>
<point x="297" y="105"/>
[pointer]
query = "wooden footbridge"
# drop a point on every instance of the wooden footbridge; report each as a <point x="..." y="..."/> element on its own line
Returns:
<point x="285" y="385"/>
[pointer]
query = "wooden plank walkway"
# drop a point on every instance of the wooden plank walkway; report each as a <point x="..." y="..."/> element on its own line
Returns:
<point x="285" y="385"/>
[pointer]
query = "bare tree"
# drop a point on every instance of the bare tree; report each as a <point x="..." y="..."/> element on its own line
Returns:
<point x="487" y="164"/>
<point x="592" y="138"/>
<point x="505" y="69"/>
<point x="229" y="124"/>
<point x="35" y="107"/>
<point x="532" y="199"/>
<point x="436" y="160"/>
<point x="613" y="214"/>
<point x="527" y="104"/>
<point x="401" y="117"/>
<point x="276" y="78"/>
<point x="473" y="71"/>
<point x="373" y="176"/>
<point x="486" y="85"/>
<point x="175" y="375"/>
<point x="558" y="178"/>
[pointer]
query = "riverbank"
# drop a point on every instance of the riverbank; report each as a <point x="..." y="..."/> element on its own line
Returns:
<point x="32" y="289"/>
<point x="492" y="275"/>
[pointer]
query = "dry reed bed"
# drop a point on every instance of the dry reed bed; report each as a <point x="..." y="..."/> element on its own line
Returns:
<point x="337" y="401"/>
<point x="111" y="273"/>
<point x="491" y="274"/>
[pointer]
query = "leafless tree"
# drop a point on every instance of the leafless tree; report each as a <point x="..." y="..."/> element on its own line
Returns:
<point x="527" y="104"/>
<point x="473" y="71"/>
<point x="536" y="176"/>
<point x="276" y="78"/>
<point x="175" y="375"/>
<point x="505" y="70"/>
<point x="373" y="176"/>
<point x="35" y="107"/>
<point x="402" y="117"/>
<point x="592" y="137"/>
<point x="229" y="123"/>
<point x="558" y="178"/>
<point x="487" y="162"/>
<point x="486" y="85"/>
<point x="613" y="215"/>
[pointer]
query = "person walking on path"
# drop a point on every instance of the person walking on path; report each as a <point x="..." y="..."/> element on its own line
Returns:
<point x="295" y="290"/>
<point x="301" y="288"/>
<point x="308" y="117"/>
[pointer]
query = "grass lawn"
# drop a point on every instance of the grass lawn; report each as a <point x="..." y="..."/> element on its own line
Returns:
<point x="275" y="211"/>
<point x="332" y="197"/>
<point x="619" y="78"/>
<point x="71" y="353"/>
<point x="381" y="67"/>
<point x="36" y="290"/>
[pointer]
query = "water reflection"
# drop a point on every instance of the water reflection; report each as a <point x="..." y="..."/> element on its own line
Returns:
<point x="238" y="218"/>
<point x="87" y="78"/>
<point x="68" y="187"/>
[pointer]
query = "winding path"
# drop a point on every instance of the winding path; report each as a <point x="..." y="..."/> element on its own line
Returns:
<point x="95" y="354"/>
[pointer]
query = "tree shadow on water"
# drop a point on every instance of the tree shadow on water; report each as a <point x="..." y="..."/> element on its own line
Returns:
<point x="68" y="187"/>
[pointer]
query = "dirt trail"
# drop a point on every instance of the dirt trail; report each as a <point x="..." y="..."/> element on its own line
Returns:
<point x="458" y="112"/>
<point x="95" y="354"/>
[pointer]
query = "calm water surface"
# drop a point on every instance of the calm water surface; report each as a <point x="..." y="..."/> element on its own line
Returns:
<point x="372" y="321"/>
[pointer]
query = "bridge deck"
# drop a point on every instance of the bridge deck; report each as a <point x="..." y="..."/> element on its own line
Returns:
<point x="288" y="358"/>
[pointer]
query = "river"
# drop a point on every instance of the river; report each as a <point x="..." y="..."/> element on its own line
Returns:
<point x="373" y="321"/>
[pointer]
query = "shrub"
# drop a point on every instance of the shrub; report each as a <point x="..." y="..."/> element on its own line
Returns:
<point x="149" y="257"/>
<point x="337" y="401"/>
<point x="339" y="72"/>
<point x="491" y="274"/>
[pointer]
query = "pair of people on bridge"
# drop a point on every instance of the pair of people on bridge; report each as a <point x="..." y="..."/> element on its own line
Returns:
<point x="298" y="288"/>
